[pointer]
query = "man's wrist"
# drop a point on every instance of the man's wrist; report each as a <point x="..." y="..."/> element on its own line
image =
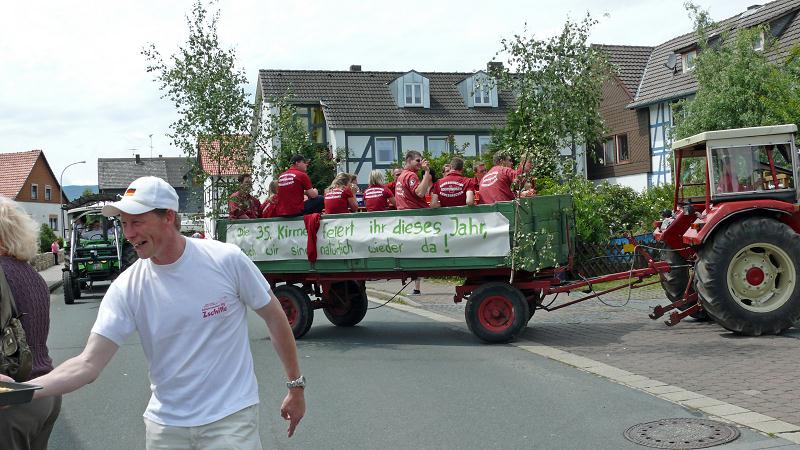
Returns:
<point x="297" y="383"/>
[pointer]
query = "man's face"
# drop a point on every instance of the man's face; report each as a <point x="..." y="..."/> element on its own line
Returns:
<point x="396" y="173"/>
<point x="247" y="184"/>
<point x="414" y="163"/>
<point x="301" y="166"/>
<point x="480" y="170"/>
<point x="147" y="232"/>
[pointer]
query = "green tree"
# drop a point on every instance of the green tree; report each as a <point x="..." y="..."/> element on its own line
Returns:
<point x="214" y="111"/>
<point x="737" y="86"/>
<point x="46" y="237"/>
<point x="558" y="87"/>
<point x="86" y="192"/>
<point x="287" y="135"/>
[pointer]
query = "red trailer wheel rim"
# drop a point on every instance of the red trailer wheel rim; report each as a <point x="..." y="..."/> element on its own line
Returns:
<point x="496" y="313"/>
<point x="289" y="309"/>
<point x="755" y="276"/>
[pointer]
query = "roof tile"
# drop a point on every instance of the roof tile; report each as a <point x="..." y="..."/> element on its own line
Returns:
<point x="16" y="167"/>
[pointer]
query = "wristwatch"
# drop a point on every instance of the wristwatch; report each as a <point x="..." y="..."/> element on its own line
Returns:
<point x="298" y="383"/>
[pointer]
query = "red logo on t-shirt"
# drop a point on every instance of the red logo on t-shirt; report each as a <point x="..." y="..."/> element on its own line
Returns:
<point x="213" y="309"/>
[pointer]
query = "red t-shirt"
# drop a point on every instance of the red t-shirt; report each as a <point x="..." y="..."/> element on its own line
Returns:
<point x="390" y="186"/>
<point x="336" y="200"/>
<point x="291" y="186"/>
<point x="376" y="198"/>
<point x="268" y="209"/>
<point x="496" y="184"/>
<point x="250" y="208"/>
<point x="405" y="195"/>
<point x="452" y="189"/>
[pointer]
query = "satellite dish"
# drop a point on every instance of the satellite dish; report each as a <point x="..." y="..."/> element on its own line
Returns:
<point x="671" y="62"/>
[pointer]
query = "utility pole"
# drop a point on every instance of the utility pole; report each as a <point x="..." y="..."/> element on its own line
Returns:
<point x="151" y="145"/>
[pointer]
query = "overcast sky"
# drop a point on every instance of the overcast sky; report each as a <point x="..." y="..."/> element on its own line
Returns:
<point x="73" y="81"/>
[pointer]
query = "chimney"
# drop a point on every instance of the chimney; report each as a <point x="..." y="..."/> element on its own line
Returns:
<point x="355" y="68"/>
<point x="138" y="159"/>
<point x="492" y="66"/>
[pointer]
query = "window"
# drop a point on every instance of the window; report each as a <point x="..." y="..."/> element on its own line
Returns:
<point x="438" y="146"/>
<point x="385" y="152"/>
<point x="47" y="193"/>
<point x="615" y="150"/>
<point x="34" y="191"/>
<point x="688" y="60"/>
<point x="482" y="96"/>
<point x="53" y="222"/>
<point x="413" y="94"/>
<point x="483" y="144"/>
<point x="758" y="42"/>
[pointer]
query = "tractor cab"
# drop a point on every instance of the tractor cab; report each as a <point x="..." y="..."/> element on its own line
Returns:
<point x="736" y="165"/>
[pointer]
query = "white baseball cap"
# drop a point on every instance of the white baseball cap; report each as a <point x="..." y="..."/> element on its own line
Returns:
<point x="143" y="195"/>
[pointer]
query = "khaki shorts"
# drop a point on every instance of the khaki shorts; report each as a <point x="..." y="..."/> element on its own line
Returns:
<point x="237" y="431"/>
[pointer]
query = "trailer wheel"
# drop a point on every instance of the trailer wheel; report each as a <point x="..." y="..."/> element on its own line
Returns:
<point x="675" y="281"/>
<point x="68" y="286"/>
<point x="496" y="312"/>
<point x="747" y="277"/>
<point x="348" y="303"/>
<point x="297" y="306"/>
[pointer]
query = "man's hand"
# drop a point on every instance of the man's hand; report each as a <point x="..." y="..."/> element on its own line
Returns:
<point x="424" y="165"/>
<point x="293" y="408"/>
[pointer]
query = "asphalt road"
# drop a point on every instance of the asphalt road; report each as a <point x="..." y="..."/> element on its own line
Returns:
<point x="395" y="381"/>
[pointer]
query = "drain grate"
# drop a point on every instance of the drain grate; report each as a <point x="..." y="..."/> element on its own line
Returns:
<point x="683" y="432"/>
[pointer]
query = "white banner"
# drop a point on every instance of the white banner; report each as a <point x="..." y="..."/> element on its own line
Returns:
<point x="353" y="237"/>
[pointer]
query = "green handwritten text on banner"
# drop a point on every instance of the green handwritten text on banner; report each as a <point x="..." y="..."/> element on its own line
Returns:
<point x="353" y="237"/>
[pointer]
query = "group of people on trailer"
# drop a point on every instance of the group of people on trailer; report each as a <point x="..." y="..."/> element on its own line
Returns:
<point x="292" y="194"/>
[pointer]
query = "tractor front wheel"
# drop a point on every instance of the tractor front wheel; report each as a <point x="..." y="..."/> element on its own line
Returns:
<point x="747" y="276"/>
<point x="297" y="306"/>
<point x="497" y="312"/>
<point x="676" y="280"/>
<point x="69" y="296"/>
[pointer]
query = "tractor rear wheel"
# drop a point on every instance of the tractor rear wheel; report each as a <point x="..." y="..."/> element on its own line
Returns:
<point x="676" y="280"/>
<point x="297" y="306"/>
<point x="747" y="276"/>
<point x="346" y="303"/>
<point x="497" y="312"/>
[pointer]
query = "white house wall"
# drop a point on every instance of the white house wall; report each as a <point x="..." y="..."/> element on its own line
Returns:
<point x="41" y="212"/>
<point x="637" y="182"/>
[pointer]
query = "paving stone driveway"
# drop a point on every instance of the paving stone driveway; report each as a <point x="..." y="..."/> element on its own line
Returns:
<point x="761" y="374"/>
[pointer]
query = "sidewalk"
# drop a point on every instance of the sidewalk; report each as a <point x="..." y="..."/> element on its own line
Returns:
<point x="756" y="373"/>
<point x="53" y="276"/>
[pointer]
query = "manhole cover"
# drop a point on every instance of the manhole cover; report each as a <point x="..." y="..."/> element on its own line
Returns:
<point x="681" y="433"/>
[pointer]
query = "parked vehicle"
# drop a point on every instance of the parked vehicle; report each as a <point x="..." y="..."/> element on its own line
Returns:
<point x="96" y="249"/>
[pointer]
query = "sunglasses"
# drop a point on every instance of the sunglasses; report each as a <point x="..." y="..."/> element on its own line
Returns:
<point x="418" y="160"/>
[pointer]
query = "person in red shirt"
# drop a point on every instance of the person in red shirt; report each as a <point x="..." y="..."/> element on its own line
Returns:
<point x="453" y="189"/>
<point x="339" y="197"/>
<point x="377" y="197"/>
<point x="409" y="190"/>
<point x="496" y="184"/>
<point x="480" y="171"/>
<point x="292" y="184"/>
<point x="270" y="205"/>
<point x="242" y="204"/>
<point x="390" y="185"/>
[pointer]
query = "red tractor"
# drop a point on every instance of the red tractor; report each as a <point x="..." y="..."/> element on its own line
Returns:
<point x="732" y="237"/>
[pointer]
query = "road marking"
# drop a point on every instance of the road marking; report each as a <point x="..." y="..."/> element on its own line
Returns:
<point x="675" y="394"/>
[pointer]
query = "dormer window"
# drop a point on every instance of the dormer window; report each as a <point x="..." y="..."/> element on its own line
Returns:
<point x="413" y="94"/>
<point x="483" y="96"/>
<point x="758" y="42"/>
<point x="688" y="59"/>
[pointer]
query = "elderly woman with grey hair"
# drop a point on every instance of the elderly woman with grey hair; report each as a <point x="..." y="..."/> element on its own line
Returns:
<point x="26" y="426"/>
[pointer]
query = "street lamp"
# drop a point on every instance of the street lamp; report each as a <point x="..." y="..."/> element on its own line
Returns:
<point x="61" y="196"/>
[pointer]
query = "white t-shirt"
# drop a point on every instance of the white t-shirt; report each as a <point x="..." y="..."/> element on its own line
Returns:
<point x="191" y="320"/>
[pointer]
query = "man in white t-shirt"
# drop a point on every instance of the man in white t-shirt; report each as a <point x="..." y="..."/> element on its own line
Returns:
<point x="187" y="299"/>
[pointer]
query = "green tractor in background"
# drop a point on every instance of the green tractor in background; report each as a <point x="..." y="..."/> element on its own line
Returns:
<point x="96" y="249"/>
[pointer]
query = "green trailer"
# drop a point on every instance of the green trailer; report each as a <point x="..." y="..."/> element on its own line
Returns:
<point x="507" y="252"/>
